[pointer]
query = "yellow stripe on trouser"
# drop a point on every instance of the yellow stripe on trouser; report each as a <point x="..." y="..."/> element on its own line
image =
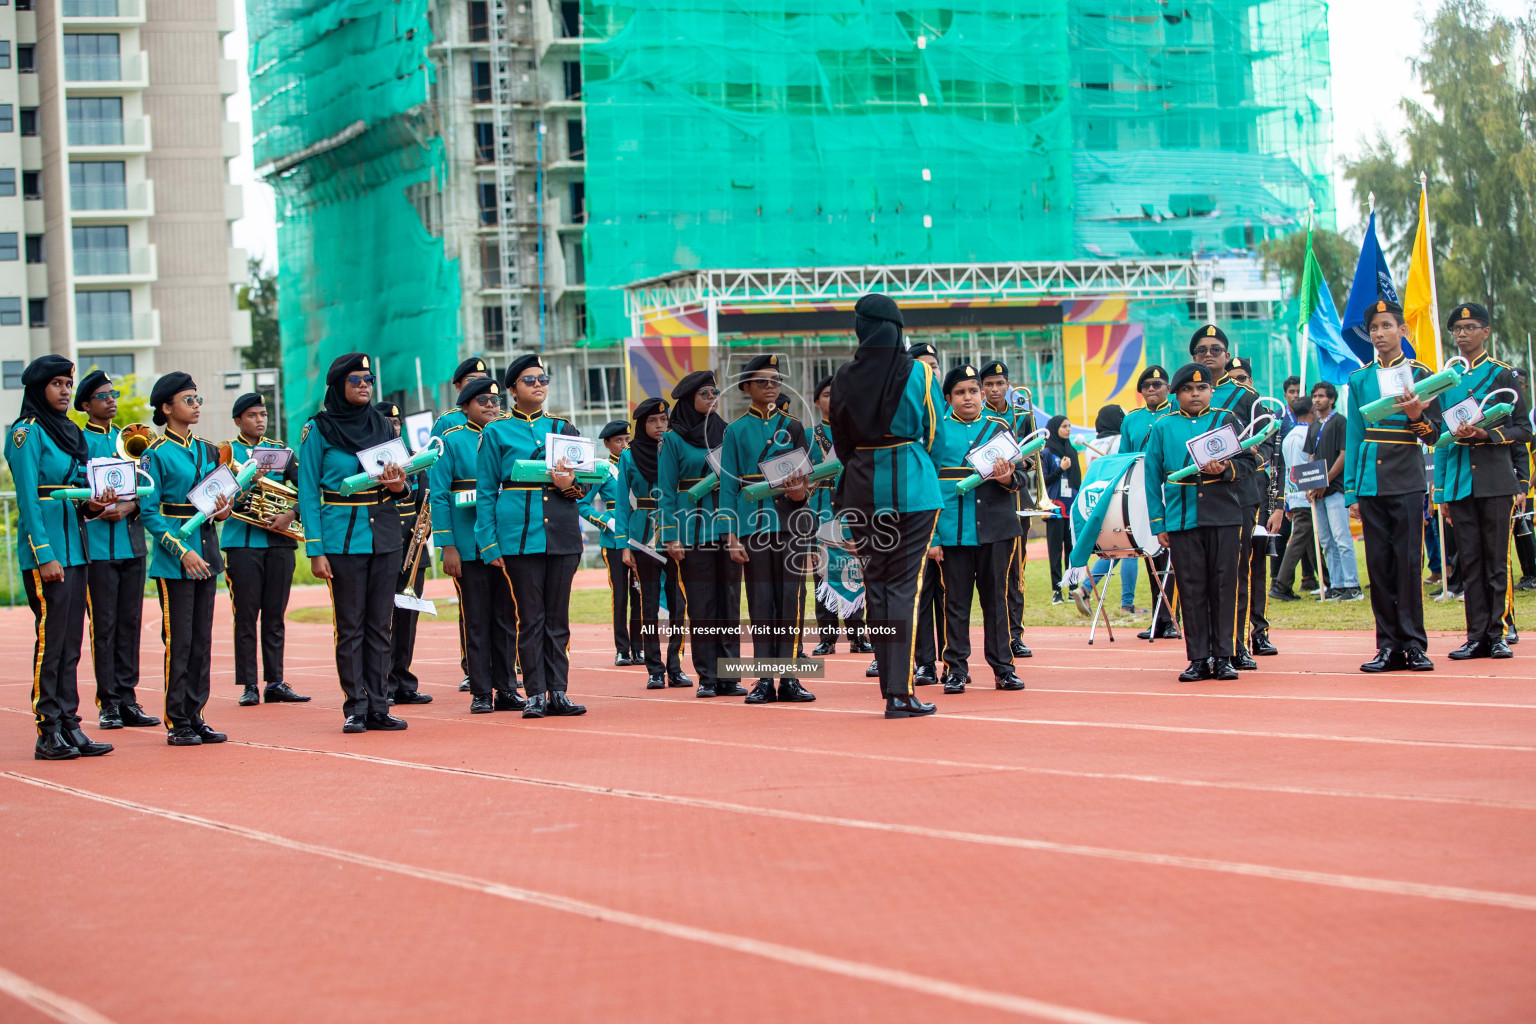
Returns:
<point x="1509" y="578"/>
<point x="42" y="642"/>
<point x="90" y="618"/>
<point x="1237" y="589"/>
<point x="912" y="642"/>
<point x="234" y="629"/>
<point x="458" y="589"/>
<point x="165" y="638"/>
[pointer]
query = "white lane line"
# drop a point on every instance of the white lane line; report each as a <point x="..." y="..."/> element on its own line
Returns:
<point x="1279" y="696"/>
<point x="60" y="1008"/>
<point x="1516" y="901"/>
<point x="791" y="955"/>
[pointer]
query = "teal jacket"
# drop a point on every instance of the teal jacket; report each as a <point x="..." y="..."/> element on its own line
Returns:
<point x="1200" y="500"/>
<point x="522" y="519"/>
<point x="986" y="514"/>
<point x="239" y="534"/>
<point x="608" y="493"/>
<point x="174" y="464"/>
<point x="639" y="505"/>
<point x="1137" y="428"/>
<point x="1478" y="468"/>
<point x="48" y="529"/>
<point x="104" y="541"/>
<point x="750" y="439"/>
<point x="365" y="523"/>
<point x="447" y="421"/>
<point x="897" y="475"/>
<point x="680" y="465"/>
<point x="820" y="500"/>
<point x="1384" y="459"/>
<point x="453" y="475"/>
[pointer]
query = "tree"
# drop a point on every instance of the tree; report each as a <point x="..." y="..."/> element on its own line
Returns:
<point x="1476" y="142"/>
<point x="260" y="297"/>
<point x="1336" y="254"/>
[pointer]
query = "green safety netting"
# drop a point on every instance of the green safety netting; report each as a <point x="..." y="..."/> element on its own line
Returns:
<point x="340" y="97"/>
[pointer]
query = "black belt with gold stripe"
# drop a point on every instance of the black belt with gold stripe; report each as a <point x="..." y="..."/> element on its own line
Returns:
<point x="1390" y="435"/>
<point x="956" y="472"/>
<point x="372" y="496"/>
<point x="177" y="510"/>
<point x="645" y="503"/>
<point x="43" y="490"/>
<point x="464" y="485"/>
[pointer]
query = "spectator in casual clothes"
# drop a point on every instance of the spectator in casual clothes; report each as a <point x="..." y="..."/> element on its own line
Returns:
<point x="1325" y="438"/>
<point x="1298" y="510"/>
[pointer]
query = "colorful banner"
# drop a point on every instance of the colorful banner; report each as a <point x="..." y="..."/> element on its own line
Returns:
<point x="1101" y="363"/>
<point x="654" y="364"/>
<point x="1088" y="511"/>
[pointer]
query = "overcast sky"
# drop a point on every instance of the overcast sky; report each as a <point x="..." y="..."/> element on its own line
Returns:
<point x="1371" y="43"/>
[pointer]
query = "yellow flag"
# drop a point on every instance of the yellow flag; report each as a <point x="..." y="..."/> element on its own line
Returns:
<point x="1420" y="309"/>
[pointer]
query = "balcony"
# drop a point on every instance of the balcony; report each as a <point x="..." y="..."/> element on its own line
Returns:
<point x="134" y="265"/>
<point x="90" y="203"/>
<point x="102" y="13"/>
<point x="94" y="332"/>
<point x="123" y="137"/>
<point x="105" y="75"/>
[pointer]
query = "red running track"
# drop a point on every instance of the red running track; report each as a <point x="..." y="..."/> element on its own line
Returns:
<point x="1309" y="844"/>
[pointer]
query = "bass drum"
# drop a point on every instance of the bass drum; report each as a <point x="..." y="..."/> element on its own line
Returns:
<point x="1126" y="530"/>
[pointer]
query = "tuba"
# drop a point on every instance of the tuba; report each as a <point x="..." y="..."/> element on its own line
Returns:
<point x="264" y="502"/>
<point x="134" y="439"/>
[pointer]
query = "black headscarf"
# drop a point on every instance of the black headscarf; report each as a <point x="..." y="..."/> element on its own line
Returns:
<point x="165" y="389"/>
<point x="1107" y="423"/>
<point x="687" y="422"/>
<point x="350" y="427"/>
<point x="643" y="448"/>
<point x="1061" y="447"/>
<point x="867" y="391"/>
<point x="34" y="403"/>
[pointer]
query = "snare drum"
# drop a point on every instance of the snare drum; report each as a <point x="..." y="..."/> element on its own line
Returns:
<point x="1126" y="530"/>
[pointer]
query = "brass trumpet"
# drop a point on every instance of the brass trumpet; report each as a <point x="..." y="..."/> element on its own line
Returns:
<point x="262" y="504"/>
<point x="1043" y="505"/>
<point x="134" y="440"/>
<point x="418" y="547"/>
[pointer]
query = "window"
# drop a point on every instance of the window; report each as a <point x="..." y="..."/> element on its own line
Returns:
<point x="10" y="245"/>
<point x="35" y="249"/>
<point x="26" y="58"/>
<point x="8" y="118"/>
<point x="100" y="250"/>
<point x="490" y="264"/>
<point x="7" y="181"/>
<point x="605" y="386"/>
<point x="114" y="366"/>
<point x="575" y="143"/>
<point x="10" y="370"/>
<point x="578" y="202"/>
<point x="104" y="316"/>
<point x="5" y="53"/>
<point x="485" y="142"/>
<point x="95" y="120"/>
<point x="92" y="58"/>
<point x="23" y="5"/>
<point x="31" y="184"/>
<point x="90" y="8"/>
<point x="479" y="22"/>
<point x="495" y="336"/>
<point x="28" y="121"/>
<point x="98" y="185"/>
<point x="10" y="311"/>
<point x="570" y="19"/>
<point x="488" y="203"/>
<point x="580" y="316"/>
<point x="37" y="312"/>
<point x="572" y="80"/>
<point x="480" y="81"/>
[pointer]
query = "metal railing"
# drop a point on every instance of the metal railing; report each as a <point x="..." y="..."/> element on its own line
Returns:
<point x="136" y="260"/>
<point x="13" y="588"/>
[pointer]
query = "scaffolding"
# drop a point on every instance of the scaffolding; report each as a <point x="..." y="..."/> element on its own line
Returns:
<point x="515" y="107"/>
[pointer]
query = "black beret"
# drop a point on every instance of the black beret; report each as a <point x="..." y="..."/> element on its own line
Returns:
<point x="958" y="374"/>
<point x="649" y="408"/>
<point x="995" y="368"/>
<point x="782" y="402"/>
<point x="691" y="383"/>
<point x="475" y="388"/>
<point x="517" y="366"/>
<point x="763" y="362"/>
<point x="821" y="385"/>
<point x="922" y="348"/>
<point x="1382" y="306"/>
<point x="44" y="368"/>
<point x="474" y="364"/>
<point x="614" y="428"/>
<point x="167" y="388"/>
<point x="344" y="365"/>
<point x="876" y="306"/>
<point x="388" y="409"/>
<point x="244" y="402"/>
<point x="1240" y="363"/>
<point x="1190" y="373"/>
<point x="89" y="385"/>
<point x="1469" y="311"/>
<point x="1153" y="372"/>
<point x="1208" y="331"/>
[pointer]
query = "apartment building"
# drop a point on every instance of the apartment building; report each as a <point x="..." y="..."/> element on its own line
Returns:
<point x="115" y="202"/>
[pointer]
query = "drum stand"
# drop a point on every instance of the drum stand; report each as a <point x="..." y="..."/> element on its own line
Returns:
<point x="1098" y="597"/>
<point x="1159" y="583"/>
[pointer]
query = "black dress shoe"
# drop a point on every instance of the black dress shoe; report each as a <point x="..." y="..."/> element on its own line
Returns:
<point x="251" y="697"/>
<point x="762" y="693"/>
<point x="355" y="723"/>
<point x="1019" y="650"/>
<point x="907" y="707"/>
<point x="1197" y="671"/>
<point x="538" y="706"/>
<point x="1471" y="649"/>
<point x="412" y="697"/>
<point x="791" y="692"/>
<point x="873" y="670"/>
<point x="1221" y="668"/>
<point x="481" y="704"/>
<point x="924" y="676"/>
<point x="955" y="683"/>
<point x="861" y="646"/>
<point x="1283" y="595"/>
<point x="383" y="721"/>
<point x="464" y="685"/>
<point x="183" y="736"/>
<point x="705" y="691"/>
<point x="1259" y="644"/>
<point x="134" y="717"/>
<point x="679" y="678"/>
<point x="282" y="693"/>
<point x="52" y="746"/>
<point x="207" y="733"/>
<point x="727" y="688"/>
<point x="621" y="659"/>
<point x="88" y="747"/>
<point x="656" y="682"/>
<point x="560" y="705"/>
<point x="1417" y="660"/>
<point x="1500" y="649"/>
<point x="1386" y="660"/>
<point x="509" y="700"/>
<point x="109" y="717"/>
<point x="1168" y="631"/>
<point x="1512" y="634"/>
<point x="1010" y="681"/>
<point x="1244" y="662"/>
<point x="823" y="649"/>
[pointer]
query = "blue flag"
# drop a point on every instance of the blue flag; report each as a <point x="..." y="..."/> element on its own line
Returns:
<point x="1088" y="511"/>
<point x="1373" y="281"/>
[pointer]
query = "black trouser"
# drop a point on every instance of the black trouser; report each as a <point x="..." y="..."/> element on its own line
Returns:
<point x="362" y="600"/>
<point x="775" y="575"/>
<point x="1450" y="571"/>
<point x="259" y="582"/>
<point x="1298" y="550"/>
<point x="1393" y="528"/>
<point x="1525" y="547"/>
<point x="982" y="570"/>
<point x="541" y="587"/>
<point x="1252" y="580"/>
<point x="58" y="611"/>
<point x="485" y="605"/>
<point x="1058" y="544"/>
<point x="1205" y="559"/>
<point x="1017" y="556"/>
<point x="402" y="632"/>
<point x="114" y="597"/>
<point x="893" y="549"/>
<point x="1482" y="548"/>
<point x="827" y="628"/>
<point x="1167" y="610"/>
<point x="653" y="577"/>
<point x="186" y="611"/>
<point x="711" y="584"/>
<point x="625" y="604"/>
<point x="930" y="642"/>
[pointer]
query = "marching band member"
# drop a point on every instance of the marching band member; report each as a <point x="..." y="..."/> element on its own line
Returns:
<point x="1476" y="478"/>
<point x="623" y="602"/>
<point x="354" y="541"/>
<point x="695" y="534"/>
<point x="470" y="369"/>
<point x="885" y="413"/>
<point x="258" y="566"/>
<point x="186" y="571"/>
<point x="974" y="540"/>
<point x="1254" y="597"/>
<point x="776" y="530"/>
<point x="994" y="391"/>
<point x="402" y="686"/>
<point x="1199" y="520"/>
<point x="485" y="601"/>
<point x="1152" y="386"/>
<point x="929" y="645"/>
<point x="827" y="628"/>
<point x="636" y="516"/>
<point x="1384" y="485"/>
<point x="46" y="453"/>
<point x="114" y="541"/>
<point x="532" y="533"/>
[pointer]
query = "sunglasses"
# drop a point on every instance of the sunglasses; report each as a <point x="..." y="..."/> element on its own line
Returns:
<point x="709" y="392"/>
<point x="533" y="381"/>
<point x="366" y="378"/>
<point x="1466" y="328"/>
<point x="192" y="401"/>
<point x="1210" y="350"/>
<point x="767" y="382"/>
<point x="114" y="395"/>
<point x="486" y="401"/>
